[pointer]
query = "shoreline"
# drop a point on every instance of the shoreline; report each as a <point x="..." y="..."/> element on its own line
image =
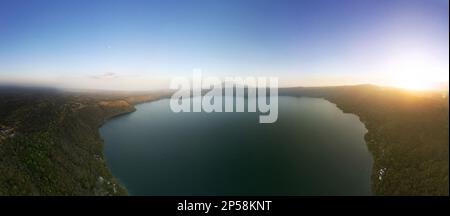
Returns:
<point x="401" y="129"/>
<point x="56" y="148"/>
<point x="337" y="106"/>
<point x="131" y="109"/>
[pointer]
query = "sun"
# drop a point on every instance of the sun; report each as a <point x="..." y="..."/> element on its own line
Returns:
<point x="416" y="71"/>
<point x="413" y="81"/>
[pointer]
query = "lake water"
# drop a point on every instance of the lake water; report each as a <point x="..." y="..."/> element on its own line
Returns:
<point x="313" y="149"/>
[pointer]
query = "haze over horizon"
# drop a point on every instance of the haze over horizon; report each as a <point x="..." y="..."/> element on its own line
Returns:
<point x="139" y="45"/>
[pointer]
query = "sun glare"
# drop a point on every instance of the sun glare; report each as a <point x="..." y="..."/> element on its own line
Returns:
<point x="416" y="72"/>
<point x="413" y="83"/>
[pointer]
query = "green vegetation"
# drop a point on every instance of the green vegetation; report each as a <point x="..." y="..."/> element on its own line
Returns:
<point x="56" y="148"/>
<point x="50" y="144"/>
<point x="408" y="135"/>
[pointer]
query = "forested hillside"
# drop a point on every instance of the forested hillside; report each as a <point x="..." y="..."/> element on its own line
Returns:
<point x="408" y="135"/>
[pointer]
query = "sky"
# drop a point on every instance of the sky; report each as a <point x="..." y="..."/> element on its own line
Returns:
<point x="138" y="44"/>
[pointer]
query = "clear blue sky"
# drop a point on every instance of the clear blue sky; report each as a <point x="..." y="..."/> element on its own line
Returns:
<point x="112" y="44"/>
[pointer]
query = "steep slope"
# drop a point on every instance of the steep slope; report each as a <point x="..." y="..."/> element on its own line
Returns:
<point x="408" y="135"/>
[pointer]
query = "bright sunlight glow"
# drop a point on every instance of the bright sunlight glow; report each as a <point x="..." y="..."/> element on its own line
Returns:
<point x="416" y="71"/>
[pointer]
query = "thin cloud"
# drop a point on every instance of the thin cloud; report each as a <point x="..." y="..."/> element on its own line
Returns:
<point x="108" y="75"/>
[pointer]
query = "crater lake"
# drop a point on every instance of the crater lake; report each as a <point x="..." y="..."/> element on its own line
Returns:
<point x="312" y="149"/>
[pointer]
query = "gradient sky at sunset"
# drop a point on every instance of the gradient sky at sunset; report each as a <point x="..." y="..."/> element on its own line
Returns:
<point x="113" y="44"/>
